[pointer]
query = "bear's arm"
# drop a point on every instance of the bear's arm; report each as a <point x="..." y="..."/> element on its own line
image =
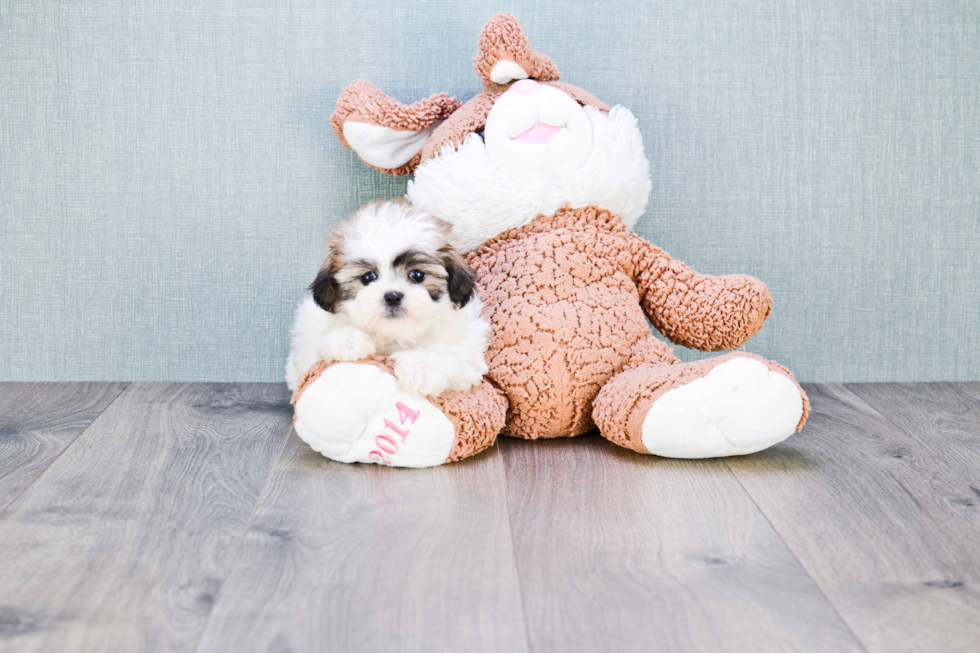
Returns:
<point x="697" y="310"/>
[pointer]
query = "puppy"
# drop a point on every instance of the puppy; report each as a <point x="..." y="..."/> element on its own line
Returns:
<point x="394" y="283"/>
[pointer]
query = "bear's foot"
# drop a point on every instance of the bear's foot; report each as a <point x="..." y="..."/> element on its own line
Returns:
<point x="727" y="406"/>
<point x="357" y="412"/>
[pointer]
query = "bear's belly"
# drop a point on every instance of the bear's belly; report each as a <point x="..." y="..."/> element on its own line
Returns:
<point x="565" y="316"/>
<point x="554" y="347"/>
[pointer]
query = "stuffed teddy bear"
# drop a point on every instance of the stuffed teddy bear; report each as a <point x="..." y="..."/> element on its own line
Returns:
<point x="542" y="183"/>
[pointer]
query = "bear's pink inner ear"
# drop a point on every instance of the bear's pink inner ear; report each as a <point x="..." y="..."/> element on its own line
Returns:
<point x="504" y="54"/>
<point x="385" y="133"/>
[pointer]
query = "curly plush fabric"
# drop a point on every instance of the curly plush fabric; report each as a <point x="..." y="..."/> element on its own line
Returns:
<point x="623" y="403"/>
<point x="503" y="38"/>
<point x="580" y="95"/>
<point x="697" y="310"/>
<point x="569" y="296"/>
<point x="477" y="415"/>
<point x="469" y="118"/>
<point x="568" y="316"/>
<point x="360" y="101"/>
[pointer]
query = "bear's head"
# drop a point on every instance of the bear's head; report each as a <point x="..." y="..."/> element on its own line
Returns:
<point x="524" y="146"/>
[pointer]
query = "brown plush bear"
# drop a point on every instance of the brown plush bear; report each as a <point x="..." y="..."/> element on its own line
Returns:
<point x="542" y="183"/>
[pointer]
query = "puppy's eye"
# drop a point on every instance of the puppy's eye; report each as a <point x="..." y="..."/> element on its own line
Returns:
<point x="416" y="276"/>
<point x="368" y="278"/>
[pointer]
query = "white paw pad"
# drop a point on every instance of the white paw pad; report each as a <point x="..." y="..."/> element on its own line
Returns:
<point x="358" y="413"/>
<point x="739" y="407"/>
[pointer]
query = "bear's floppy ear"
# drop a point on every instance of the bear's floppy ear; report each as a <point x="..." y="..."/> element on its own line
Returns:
<point x="504" y="54"/>
<point x="385" y="133"/>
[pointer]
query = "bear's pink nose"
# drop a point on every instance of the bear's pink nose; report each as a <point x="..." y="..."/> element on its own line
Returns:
<point x="525" y="87"/>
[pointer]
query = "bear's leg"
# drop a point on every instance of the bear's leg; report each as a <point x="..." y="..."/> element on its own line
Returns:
<point x="725" y="406"/>
<point x="356" y="412"/>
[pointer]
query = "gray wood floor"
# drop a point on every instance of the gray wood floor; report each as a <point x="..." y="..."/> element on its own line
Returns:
<point x="188" y="517"/>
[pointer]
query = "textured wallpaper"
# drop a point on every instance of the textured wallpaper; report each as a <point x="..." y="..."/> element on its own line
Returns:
<point x="168" y="173"/>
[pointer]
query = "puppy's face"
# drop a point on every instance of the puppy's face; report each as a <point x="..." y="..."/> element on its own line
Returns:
<point x="393" y="272"/>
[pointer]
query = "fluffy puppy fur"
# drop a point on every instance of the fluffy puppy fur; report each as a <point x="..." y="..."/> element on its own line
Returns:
<point x="393" y="283"/>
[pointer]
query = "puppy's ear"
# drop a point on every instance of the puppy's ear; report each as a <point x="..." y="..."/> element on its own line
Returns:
<point x="326" y="290"/>
<point x="462" y="278"/>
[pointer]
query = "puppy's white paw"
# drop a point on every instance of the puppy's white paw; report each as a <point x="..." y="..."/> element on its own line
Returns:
<point x="420" y="373"/>
<point x="347" y="344"/>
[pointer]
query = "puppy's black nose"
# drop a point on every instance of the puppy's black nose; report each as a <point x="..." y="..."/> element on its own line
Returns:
<point x="393" y="298"/>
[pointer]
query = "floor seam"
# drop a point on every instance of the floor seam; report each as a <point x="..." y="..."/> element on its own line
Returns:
<point x="513" y="548"/>
<point x="126" y="387"/>
<point x="806" y="571"/>
<point x="241" y="540"/>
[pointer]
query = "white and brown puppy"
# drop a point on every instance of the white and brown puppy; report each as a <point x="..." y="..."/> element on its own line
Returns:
<point x="393" y="283"/>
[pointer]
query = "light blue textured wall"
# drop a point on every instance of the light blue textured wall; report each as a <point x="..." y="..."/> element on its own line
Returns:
<point x="167" y="170"/>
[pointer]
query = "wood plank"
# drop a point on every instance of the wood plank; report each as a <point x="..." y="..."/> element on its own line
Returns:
<point x="123" y="543"/>
<point x="942" y="417"/>
<point x="622" y="552"/>
<point x="365" y="558"/>
<point x="886" y="525"/>
<point x="38" y="421"/>
<point x="971" y="389"/>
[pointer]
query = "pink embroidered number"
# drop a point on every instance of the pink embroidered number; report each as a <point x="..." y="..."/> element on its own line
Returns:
<point x="385" y="442"/>
<point x="403" y="433"/>
<point x="392" y="445"/>
<point x="406" y="412"/>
